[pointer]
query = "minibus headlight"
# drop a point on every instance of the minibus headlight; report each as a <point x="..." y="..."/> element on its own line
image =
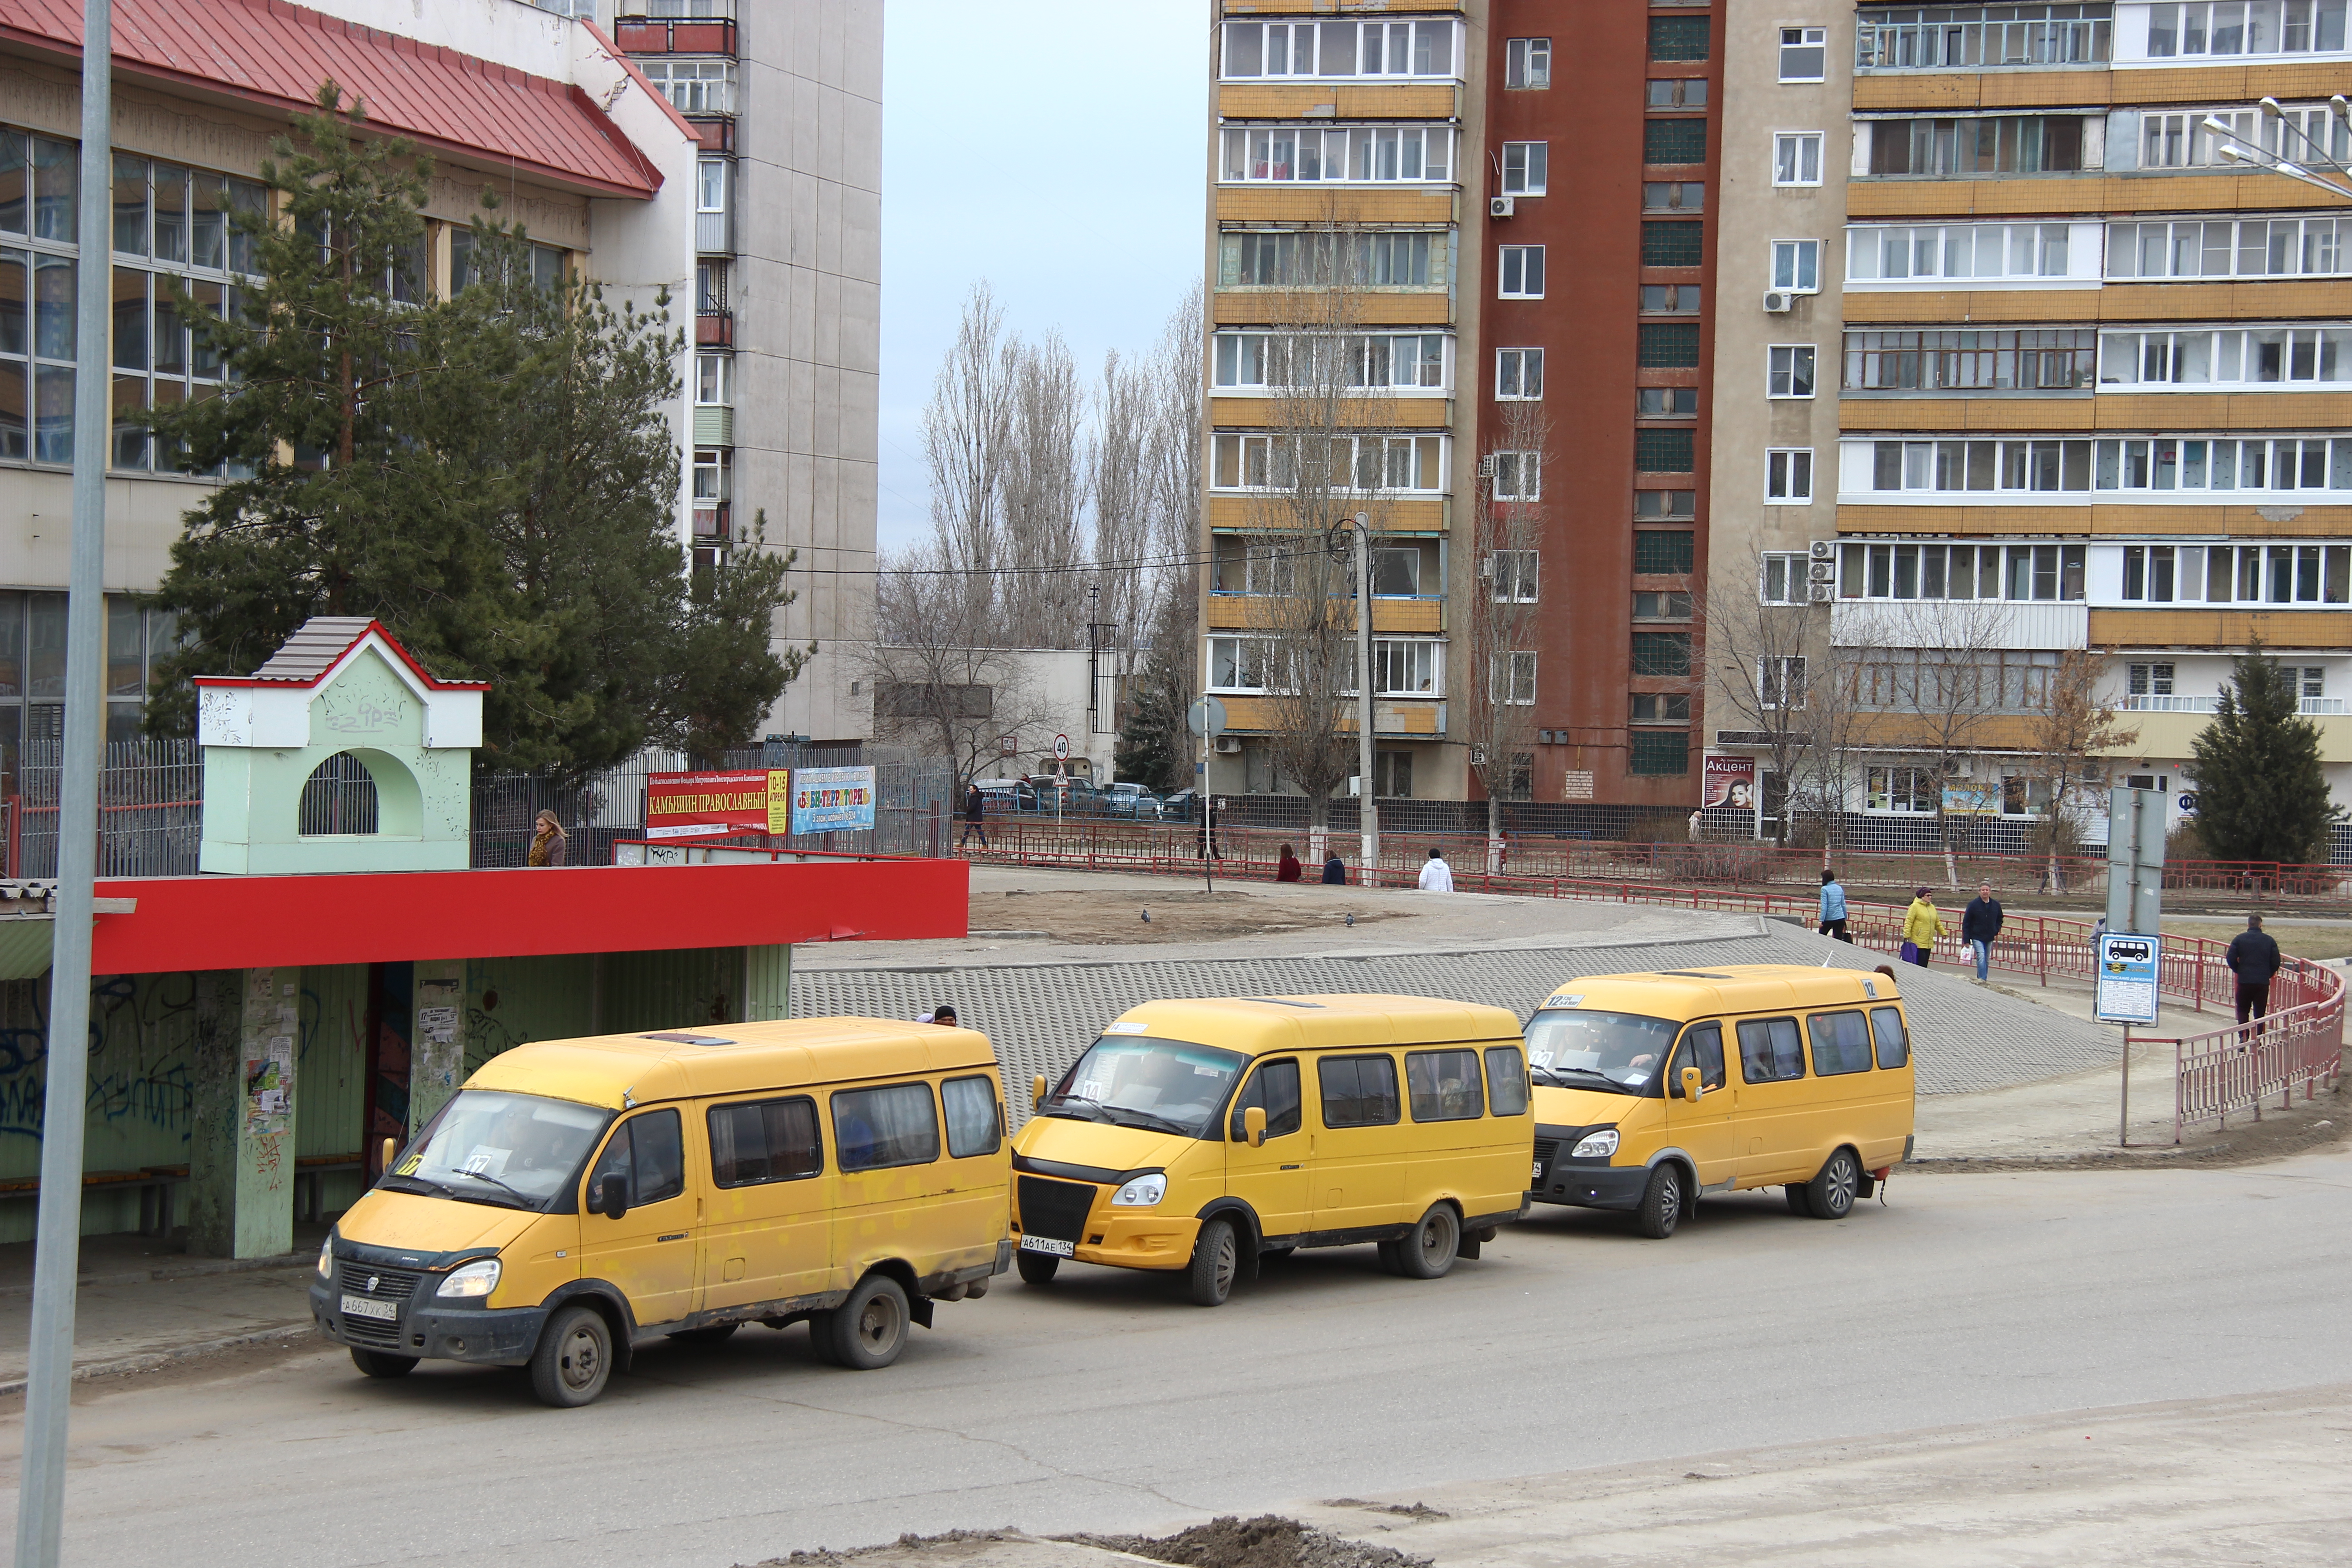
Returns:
<point x="327" y="1259"/>
<point x="1142" y="1192"/>
<point x="1595" y="1145"/>
<point x="478" y="1278"/>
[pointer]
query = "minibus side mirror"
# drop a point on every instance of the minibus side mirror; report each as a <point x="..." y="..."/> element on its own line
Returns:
<point x="1254" y="1124"/>
<point x="611" y="1197"/>
<point x="391" y="1152"/>
<point x="1691" y="1089"/>
<point x="1037" y="1090"/>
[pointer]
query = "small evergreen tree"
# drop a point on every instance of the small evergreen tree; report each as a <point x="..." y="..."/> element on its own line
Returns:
<point x="1153" y="749"/>
<point x="2260" y="792"/>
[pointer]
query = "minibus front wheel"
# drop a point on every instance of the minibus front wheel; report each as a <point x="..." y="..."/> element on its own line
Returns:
<point x="1216" y="1257"/>
<point x="1036" y="1267"/>
<point x="376" y="1364"/>
<point x="573" y="1359"/>
<point x="1662" y="1202"/>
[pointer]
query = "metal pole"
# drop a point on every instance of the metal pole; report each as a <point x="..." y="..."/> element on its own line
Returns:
<point x="2122" y="1131"/>
<point x="41" y="1491"/>
<point x="1368" y="813"/>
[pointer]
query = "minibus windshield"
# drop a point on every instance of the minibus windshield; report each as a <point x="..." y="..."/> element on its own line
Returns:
<point x="1133" y="1080"/>
<point x="488" y="1146"/>
<point x="1568" y="1047"/>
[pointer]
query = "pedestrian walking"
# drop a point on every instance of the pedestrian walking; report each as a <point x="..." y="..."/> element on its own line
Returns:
<point x="975" y="815"/>
<point x="2253" y="958"/>
<point x="1921" y="926"/>
<point x="1436" y="876"/>
<point x="1335" y="871"/>
<point x="1833" y="914"/>
<point x="1980" y="926"/>
<point x="548" y="843"/>
<point x="1287" y="868"/>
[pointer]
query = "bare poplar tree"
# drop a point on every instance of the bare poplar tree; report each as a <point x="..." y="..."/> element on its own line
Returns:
<point x="1500" y="686"/>
<point x="1044" y="495"/>
<point x="1766" y="660"/>
<point x="2073" y="732"/>
<point x="966" y="427"/>
<point x="1941" y="661"/>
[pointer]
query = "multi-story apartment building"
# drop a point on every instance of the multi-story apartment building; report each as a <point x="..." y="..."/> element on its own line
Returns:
<point x="599" y="172"/>
<point x="1530" y="199"/>
<point x="786" y="103"/>
<point x="2092" y="378"/>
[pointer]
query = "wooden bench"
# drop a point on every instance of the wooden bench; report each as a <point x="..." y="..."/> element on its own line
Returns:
<point x="156" y="1185"/>
<point x="307" y="1169"/>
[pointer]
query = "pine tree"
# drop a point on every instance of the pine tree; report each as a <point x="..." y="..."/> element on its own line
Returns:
<point x="1153" y="746"/>
<point x="2262" y="793"/>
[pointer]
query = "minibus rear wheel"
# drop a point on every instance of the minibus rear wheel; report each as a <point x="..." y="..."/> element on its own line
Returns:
<point x="573" y="1359"/>
<point x="1830" y="1194"/>
<point x="869" y="1330"/>
<point x="1036" y="1267"/>
<point x="1434" y="1245"/>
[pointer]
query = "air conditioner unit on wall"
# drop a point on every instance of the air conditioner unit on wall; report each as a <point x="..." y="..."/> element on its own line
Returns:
<point x="1821" y="592"/>
<point x="1779" y="302"/>
<point x="1501" y="206"/>
<point x="1823" y="548"/>
<point x="1228" y="745"/>
<point x="1822" y="572"/>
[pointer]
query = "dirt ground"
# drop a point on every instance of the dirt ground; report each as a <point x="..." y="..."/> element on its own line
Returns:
<point x="2294" y="940"/>
<point x="1178" y="913"/>
<point x="1270" y="1540"/>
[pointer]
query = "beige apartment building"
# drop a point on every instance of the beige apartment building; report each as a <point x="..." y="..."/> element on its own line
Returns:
<point x="2057" y="374"/>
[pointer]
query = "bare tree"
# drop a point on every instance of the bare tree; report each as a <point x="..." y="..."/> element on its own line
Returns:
<point x="938" y="682"/>
<point x="1936" y="664"/>
<point x="1500" y="686"/>
<point x="1044" y="497"/>
<point x="1765" y="656"/>
<point x="967" y="427"/>
<point x="2073" y="732"/>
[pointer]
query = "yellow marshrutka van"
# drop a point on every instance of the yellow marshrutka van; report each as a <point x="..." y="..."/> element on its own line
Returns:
<point x="1196" y="1136"/>
<point x="1652" y="1088"/>
<point x="576" y="1195"/>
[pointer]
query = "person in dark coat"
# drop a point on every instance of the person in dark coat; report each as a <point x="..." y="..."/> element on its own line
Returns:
<point x="1980" y="924"/>
<point x="2253" y="958"/>
<point x="1287" y="868"/>
<point x="975" y="814"/>
<point x="1335" y="871"/>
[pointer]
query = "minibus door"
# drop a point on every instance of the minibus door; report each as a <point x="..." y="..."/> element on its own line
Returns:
<point x="1703" y="1126"/>
<point x="1272" y="1177"/>
<point x="649" y="1252"/>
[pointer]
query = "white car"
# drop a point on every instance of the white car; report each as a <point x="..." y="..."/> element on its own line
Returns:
<point x="1131" y="800"/>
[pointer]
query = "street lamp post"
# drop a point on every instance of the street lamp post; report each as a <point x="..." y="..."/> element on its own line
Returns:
<point x="1368" y="811"/>
<point x="2238" y="150"/>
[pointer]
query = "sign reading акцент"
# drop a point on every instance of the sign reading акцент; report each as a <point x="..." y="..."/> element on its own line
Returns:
<point x="680" y="806"/>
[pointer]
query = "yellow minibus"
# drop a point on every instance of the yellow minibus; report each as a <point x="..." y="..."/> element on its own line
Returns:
<point x="1651" y="1089"/>
<point x="1196" y="1137"/>
<point x="578" y="1196"/>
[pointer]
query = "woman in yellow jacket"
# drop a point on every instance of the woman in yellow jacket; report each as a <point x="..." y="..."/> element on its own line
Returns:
<point x="1922" y="926"/>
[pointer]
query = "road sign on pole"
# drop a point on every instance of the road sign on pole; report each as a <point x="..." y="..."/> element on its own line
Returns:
<point x="1061" y="748"/>
<point x="1205" y="718"/>
<point x="2126" y="983"/>
<point x="2136" y="823"/>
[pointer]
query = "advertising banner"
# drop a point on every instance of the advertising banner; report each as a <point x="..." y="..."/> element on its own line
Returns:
<point x="1972" y="800"/>
<point x="833" y="800"/>
<point x="1728" y="782"/>
<point x="680" y="806"/>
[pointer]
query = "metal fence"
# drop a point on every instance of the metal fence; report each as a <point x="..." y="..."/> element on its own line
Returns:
<point x="149" y="801"/>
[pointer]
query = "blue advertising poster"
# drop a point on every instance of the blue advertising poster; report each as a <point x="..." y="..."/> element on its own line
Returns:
<point x="833" y="800"/>
<point x="2127" y="978"/>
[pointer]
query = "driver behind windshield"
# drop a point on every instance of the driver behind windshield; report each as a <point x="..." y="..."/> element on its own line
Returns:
<point x="1171" y="1084"/>
<point x="1576" y="1049"/>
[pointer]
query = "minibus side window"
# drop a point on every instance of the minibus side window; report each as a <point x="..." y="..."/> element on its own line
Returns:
<point x="1841" y="1043"/>
<point x="1770" y="1050"/>
<point x="1357" y="1091"/>
<point x="971" y="1107"/>
<point x="767" y="1140"/>
<point x="1701" y="1048"/>
<point x="1894" y="1041"/>
<point x="1507" y="1082"/>
<point x="1444" y="1085"/>
<point x="1273" y="1089"/>
<point x="874" y="1129"/>
<point x="647" y="1151"/>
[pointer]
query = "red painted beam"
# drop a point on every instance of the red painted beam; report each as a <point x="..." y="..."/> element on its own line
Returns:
<point x="243" y="922"/>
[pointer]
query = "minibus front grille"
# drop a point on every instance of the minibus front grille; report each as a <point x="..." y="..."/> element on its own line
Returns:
<point x="1545" y="1149"/>
<point x="377" y="1284"/>
<point x="1057" y="1210"/>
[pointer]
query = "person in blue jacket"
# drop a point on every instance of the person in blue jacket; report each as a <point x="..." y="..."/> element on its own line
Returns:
<point x="1833" y="908"/>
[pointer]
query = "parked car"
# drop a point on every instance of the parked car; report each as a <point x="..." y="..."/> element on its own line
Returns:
<point x="1179" y="807"/>
<point x="1077" y="796"/>
<point x="1006" y="798"/>
<point x="1131" y="800"/>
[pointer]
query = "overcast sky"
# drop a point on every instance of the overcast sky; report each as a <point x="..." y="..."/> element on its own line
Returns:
<point x="1055" y="148"/>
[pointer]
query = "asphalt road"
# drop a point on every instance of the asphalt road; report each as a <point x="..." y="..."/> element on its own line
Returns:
<point x="1104" y="1402"/>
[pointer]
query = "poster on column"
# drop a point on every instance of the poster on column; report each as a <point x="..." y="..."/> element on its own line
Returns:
<point x="833" y="800"/>
<point x="1728" y="782"/>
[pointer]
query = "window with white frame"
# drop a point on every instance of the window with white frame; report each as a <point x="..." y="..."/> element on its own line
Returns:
<point x="1396" y="572"/>
<point x="1370" y="360"/>
<point x="1515" y="572"/>
<point x="1518" y="476"/>
<point x="1789" y="370"/>
<point x="1804" y="53"/>
<point x="1876" y="253"/>
<point x="1257" y="50"/>
<point x="1519" y="272"/>
<point x="1285" y="258"/>
<point x="2315" y="680"/>
<point x="1789" y="474"/>
<point x="710" y="185"/>
<point x="1781" y="681"/>
<point x="1363" y="464"/>
<point x="1363" y="154"/>
<point x="1904" y="789"/>
<point x="1784" y="578"/>
<point x="1797" y="158"/>
<point x="2235" y="28"/>
<point x="2253" y="358"/>
<point x="1518" y="376"/>
<point x="2237" y="574"/>
<point x="1256" y="567"/>
<point x="693" y="87"/>
<point x="1969" y="38"/>
<point x="2231" y="248"/>
<point x="1526" y="63"/>
<point x="2183" y="141"/>
<point x="1514" y="677"/>
<point x="714" y="379"/>
<point x="1243" y="664"/>
<point x="2148" y="680"/>
<point x="2003" y="359"/>
<point x="1407" y="667"/>
<point x="1797" y="265"/>
<point x="2043" y="573"/>
<point x="1523" y="168"/>
<point x="2153" y="465"/>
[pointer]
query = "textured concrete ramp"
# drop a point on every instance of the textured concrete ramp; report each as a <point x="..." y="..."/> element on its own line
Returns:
<point x="1041" y="1015"/>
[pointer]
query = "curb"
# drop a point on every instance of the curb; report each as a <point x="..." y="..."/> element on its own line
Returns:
<point x="154" y="1361"/>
